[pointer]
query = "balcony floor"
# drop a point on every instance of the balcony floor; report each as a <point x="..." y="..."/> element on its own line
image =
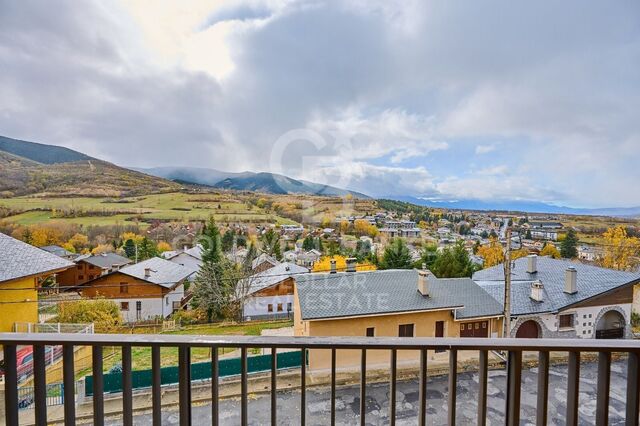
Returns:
<point x="347" y="404"/>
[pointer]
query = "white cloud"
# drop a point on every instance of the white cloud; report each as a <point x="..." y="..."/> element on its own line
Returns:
<point x="485" y="149"/>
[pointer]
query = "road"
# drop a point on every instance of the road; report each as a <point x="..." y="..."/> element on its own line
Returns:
<point x="348" y="401"/>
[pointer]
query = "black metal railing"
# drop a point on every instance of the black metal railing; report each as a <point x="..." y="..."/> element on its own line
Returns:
<point x="513" y="347"/>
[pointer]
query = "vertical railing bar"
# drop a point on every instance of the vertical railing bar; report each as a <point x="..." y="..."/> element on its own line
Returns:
<point x="127" y="387"/>
<point x="483" y="377"/>
<point x="156" y="386"/>
<point x="244" y="415"/>
<point x="274" y="392"/>
<point x="602" y="394"/>
<point x="10" y="385"/>
<point x="453" y="381"/>
<point x="68" y="380"/>
<point x="392" y="386"/>
<point x="514" y="381"/>
<point x="333" y="386"/>
<point x="40" y="385"/>
<point x="184" y="385"/>
<point x="633" y="391"/>
<point x="573" y="388"/>
<point x="98" y="385"/>
<point x="422" y="393"/>
<point x="303" y="386"/>
<point x="215" y="393"/>
<point x="543" y="388"/>
<point x="363" y="386"/>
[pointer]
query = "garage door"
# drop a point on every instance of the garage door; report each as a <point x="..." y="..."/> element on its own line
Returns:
<point x="474" y="329"/>
<point x="528" y="330"/>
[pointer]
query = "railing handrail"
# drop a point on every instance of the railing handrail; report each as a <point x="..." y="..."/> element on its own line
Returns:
<point x="344" y="342"/>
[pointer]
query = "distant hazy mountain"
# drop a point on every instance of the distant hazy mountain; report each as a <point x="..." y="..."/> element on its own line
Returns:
<point x="247" y="181"/>
<point x="519" y="206"/>
<point x="34" y="168"/>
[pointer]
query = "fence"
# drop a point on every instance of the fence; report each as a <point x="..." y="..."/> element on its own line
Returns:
<point x="26" y="396"/>
<point x="33" y="327"/>
<point x="199" y="371"/>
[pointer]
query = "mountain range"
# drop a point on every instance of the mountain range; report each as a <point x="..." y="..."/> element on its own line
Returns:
<point x="247" y="181"/>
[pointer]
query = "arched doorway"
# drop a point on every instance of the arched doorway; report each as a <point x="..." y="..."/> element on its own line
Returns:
<point x="610" y="326"/>
<point x="528" y="330"/>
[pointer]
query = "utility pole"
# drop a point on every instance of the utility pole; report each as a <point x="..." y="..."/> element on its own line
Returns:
<point x="507" y="285"/>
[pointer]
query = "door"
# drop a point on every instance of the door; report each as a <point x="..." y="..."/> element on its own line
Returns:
<point x="138" y="310"/>
<point x="439" y="332"/>
<point x="528" y="330"/>
<point x="474" y="329"/>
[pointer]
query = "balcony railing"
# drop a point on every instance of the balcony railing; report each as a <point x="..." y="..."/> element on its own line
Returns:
<point x="514" y="349"/>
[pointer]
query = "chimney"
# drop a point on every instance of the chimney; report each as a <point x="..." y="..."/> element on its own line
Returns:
<point x="537" y="291"/>
<point x="185" y="247"/>
<point x="351" y="264"/>
<point x="423" y="283"/>
<point x="532" y="263"/>
<point x="571" y="280"/>
<point x="333" y="266"/>
<point x="147" y="272"/>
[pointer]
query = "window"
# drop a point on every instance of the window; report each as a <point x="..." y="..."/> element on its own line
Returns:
<point x="566" y="321"/>
<point x="138" y="305"/>
<point x="81" y="277"/>
<point x="124" y="288"/>
<point x="405" y="330"/>
<point x="166" y="301"/>
<point x="289" y="307"/>
<point x="280" y="308"/>
<point x="124" y="306"/>
<point x="269" y="307"/>
<point x="371" y="332"/>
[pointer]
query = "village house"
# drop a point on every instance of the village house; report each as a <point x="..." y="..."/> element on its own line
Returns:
<point x="262" y="263"/>
<point x="560" y="298"/>
<point x="394" y="303"/>
<point x="88" y="267"/>
<point x="589" y="253"/>
<point x="308" y="258"/>
<point x="149" y="289"/>
<point x="270" y="293"/>
<point x="60" y="252"/>
<point x="190" y="258"/>
<point x="23" y="269"/>
<point x="400" y="228"/>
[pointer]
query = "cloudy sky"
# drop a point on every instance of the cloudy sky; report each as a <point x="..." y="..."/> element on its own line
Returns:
<point x="446" y="100"/>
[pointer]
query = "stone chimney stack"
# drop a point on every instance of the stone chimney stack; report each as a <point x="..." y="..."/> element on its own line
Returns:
<point x="532" y="263"/>
<point x="571" y="280"/>
<point x="333" y="266"/>
<point x="351" y="264"/>
<point x="423" y="282"/>
<point x="537" y="291"/>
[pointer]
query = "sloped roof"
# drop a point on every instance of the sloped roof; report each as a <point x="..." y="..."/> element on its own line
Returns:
<point x="263" y="257"/>
<point x="163" y="272"/>
<point x="591" y="281"/>
<point x="195" y="251"/>
<point x="105" y="260"/>
<point x="325" y="296"/>
<point x="57" y="250"/>
<point x="274" y="275"/>
<point x="19" y="259"/>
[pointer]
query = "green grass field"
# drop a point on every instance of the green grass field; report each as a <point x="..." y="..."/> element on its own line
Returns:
<point x="170" y="206"/>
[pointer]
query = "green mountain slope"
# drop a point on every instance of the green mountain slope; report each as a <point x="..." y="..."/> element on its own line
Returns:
<point x="45" y="154"/>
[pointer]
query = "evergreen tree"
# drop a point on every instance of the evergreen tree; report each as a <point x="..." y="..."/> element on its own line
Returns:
<point x="271" y="244"/>
<point x="308" y="243"/>
<point x="453" y="262"/>
<point x="320" y="247"/>
<point x="528" y="235"/>
<point x="396" y="256"/>
<point x="211" y="244"/>
<point x="147" y="249"/>
<point x="130" y="248"/>
<point x="428" y="257"/>
<point x="569" y="246"/>
<point x="227" y="240"/>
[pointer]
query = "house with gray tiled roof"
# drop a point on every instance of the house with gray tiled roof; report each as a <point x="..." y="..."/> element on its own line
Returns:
<point x="22" y="269"/>
<point x="146" y="290"/>
<point x="562" y="298"/>
<point x="400" y="303"/>
<point x="91" y="266"/>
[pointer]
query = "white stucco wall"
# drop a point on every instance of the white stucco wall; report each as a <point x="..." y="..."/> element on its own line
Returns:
<point x="151" y="307"/>
<point x="259" y="306"/>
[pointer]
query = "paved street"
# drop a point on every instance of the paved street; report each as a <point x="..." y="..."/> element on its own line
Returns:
<point x="377" y="404"/>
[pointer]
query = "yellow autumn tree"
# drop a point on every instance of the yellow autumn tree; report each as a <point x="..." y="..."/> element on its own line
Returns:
<point x="492" y="253"/>
<point x="621" y="251"/>
<point x="551" y="251"/>
<point x="163" y="246"/>
<point x="78" y="242"/>
<point x="344" y="226"/>
<point x="102" y="248"/>
<point x="517" y="254"/>
<point x="363" y="227"/>
<point x="137" y="239"/>
<point x="324" y="264"/>
<point x="45" y="236"/>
